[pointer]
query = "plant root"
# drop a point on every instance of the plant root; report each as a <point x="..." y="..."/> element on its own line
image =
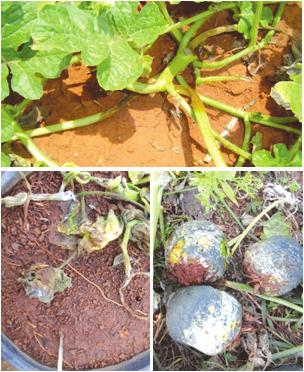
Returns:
<point x="142" y="316"/>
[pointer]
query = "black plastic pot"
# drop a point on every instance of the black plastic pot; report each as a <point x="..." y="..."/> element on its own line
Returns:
<point x="21" y="361"/>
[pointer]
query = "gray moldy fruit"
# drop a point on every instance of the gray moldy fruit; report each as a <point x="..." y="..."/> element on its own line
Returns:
<point x="205" y="318"/>
<point x="274" y="265"/>
<point x="195" y="253"/>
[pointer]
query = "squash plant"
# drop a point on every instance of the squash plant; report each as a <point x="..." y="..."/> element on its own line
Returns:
<point x="41" y="39"/>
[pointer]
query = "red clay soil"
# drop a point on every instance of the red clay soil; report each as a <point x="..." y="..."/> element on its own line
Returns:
<point x="97" y="333"/>
<point x="145" y="133"/>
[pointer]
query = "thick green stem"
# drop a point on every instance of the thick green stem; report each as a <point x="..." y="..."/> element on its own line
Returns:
<point x="246" y="288"/>
<point x="271" y="121"/>
<point x="203" y="123"/>
<point x="124" y="246"/>
<point x="206" y="14"/>
<point x="231" y="146"/>
<point x="201" y="38"/>
<point x="212" y="79"/>
<point x="246" y="140"/>
<point x="250" y="49"/>
<point x="175" y="33"/>
<point x="176" y="66"/>
<point x="34" y="150"/>
<point x="189" y="35"/>
<point x="227" y="144"/>
<point x="256" y="22"/>
<point x="78" y="123"/>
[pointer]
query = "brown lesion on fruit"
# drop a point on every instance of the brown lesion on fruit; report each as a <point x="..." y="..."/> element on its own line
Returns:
<point x="261" y="283"/>
<point x="189" y="273"/>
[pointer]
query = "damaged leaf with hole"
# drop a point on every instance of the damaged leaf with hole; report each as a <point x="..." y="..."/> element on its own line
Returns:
<point x="43" y="281"/>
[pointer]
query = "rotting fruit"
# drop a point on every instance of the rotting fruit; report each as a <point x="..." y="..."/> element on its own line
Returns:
<point x="274" y="265"/>
<point x="205" y="318"/>
<point x="195" y="253"/>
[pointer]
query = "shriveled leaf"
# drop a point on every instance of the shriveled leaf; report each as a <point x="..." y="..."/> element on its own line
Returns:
<point x="43" y="281"/>
<point x="277" y="225"/>
<point x="110" y="184"/>
<point x="289" y="94"/>
<point x="97" y="235"/>
<point x="70" y="225"/>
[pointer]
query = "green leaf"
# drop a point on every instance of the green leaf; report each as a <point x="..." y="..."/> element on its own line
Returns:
<point x="17" y="22"/>
<point x="229" y="192"/>
<point x="282" y="157"/>
<point x="289" y="94"/>
<point x="277" y="225"/>
<point x="7" y="126"/>
<point x="31" y="67"/>
<point x="267" y="17"/>
<point x="4" y="83"/>
<point x="148" y="26"/>
<point x="5" y="160"/>
<point x="122" y="67"/>
<point x="246" y="17"/>
<point x="70" y="29"/>
<point x="110" y="40"/>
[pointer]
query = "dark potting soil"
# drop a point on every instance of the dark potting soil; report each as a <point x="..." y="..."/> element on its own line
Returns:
<point x="97" y="332"/>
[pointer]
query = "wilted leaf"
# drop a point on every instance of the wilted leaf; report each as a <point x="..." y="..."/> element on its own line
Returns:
<point x="97" y="235"/>
<point x="43" y="281"/>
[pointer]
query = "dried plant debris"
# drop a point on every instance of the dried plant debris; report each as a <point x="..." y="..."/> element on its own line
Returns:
<point x="43" y="281"/>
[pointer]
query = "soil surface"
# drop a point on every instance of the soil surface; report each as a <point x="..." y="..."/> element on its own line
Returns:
<point x="97" y="332"/>
<point x="149" y="131"/>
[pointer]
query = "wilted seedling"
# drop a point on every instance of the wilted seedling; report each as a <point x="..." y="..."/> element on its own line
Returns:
<point x="42" y="281"/>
